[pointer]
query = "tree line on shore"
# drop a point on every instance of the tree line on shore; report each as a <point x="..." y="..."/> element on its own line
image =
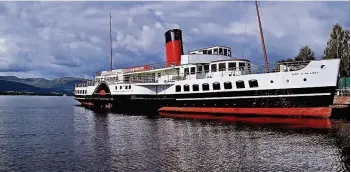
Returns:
<point x="338" y="46"/>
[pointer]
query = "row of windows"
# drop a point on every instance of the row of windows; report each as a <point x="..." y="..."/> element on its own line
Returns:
<point x="125" y="87"/>
<point x="217" y="86"/>
<point x="221" y="51"/>
<point x="221" y="67"/>
<point x="81" y="91"/>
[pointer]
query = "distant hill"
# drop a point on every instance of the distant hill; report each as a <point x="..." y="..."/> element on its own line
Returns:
<point x="60" y="85"/>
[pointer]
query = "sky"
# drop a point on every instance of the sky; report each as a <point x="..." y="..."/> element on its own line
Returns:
<point x="71" y="39"/>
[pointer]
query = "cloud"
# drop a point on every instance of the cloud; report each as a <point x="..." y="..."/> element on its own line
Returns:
<point x="57" y="39"/>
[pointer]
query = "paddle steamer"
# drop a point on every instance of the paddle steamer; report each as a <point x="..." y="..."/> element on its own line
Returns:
<point x="210" y="80"/>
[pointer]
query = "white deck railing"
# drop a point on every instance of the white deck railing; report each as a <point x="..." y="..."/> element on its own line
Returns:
<point x="247" y="70"/>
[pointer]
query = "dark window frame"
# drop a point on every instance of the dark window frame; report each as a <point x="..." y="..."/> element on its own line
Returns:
<point x="227" y="85"/>
<point x="215" y="51"/>
<point x="178" y="88"/>
<point x="191" y="70"/>
<point x="205" y="87"/>
<point x="240" y="82"/>
<point x="216" y="86"/>
<point x="186" y="88"/>
<point x="196" y="87"/>
<point x="223" y="68"/>
<point x="199" y="69"/>
<point x="253" y="83"/>
<point x="231" y="67"/>
<point x="215" y="69"/>
<point x="220" y="51"/>
<point x="208" y="68"/>
<point x="186" y="71"/>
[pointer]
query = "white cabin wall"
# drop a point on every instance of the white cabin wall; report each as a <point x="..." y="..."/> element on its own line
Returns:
<point x="202" y="58"/>
<point x="314" y="74"/>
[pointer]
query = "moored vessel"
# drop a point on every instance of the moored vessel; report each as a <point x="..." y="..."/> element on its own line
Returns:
<point x="210" y="80"/>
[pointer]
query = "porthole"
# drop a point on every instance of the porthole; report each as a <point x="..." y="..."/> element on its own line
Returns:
<point x="322" y="66"/>
<point x="271" y="81"/>
<point x="304" y="79"/>
<point x="287" y="80"/>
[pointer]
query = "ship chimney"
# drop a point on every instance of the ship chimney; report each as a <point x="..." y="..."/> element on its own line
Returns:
<point x="174" y="46"/>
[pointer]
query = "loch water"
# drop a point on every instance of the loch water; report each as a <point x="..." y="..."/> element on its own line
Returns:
<point x="39" y="133"/>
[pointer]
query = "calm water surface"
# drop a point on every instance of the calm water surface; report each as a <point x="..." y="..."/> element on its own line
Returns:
<point x="51" y="134"/>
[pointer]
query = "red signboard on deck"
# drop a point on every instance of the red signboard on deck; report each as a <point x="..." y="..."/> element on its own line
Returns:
<point x="137" y="69"/>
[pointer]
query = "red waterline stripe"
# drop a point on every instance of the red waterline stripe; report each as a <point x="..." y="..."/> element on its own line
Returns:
<point x="321" y="112"/>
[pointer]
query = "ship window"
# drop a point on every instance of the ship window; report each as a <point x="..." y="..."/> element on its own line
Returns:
<point x="229" y="53"/>
<point x="186" y="71"/>
<point x="199" y="69"/>
<point x="216" y="86"/>
<point x="178" y="88"/>
<point x="253" y="83"/>
<point x="126" y="87"/>
<point x="221" y="66"/>
<point x="192" y="70"/>
<point x="225" y="52"/>
<point x="227" y="85"/>
<point x="120" y="87"/>
<point x="116" y="88"/>
<point x="204" y="52"/>
<point x="231" y="66"/>
<point x="213" y="67"/>
<point x="240" y="84"/>
<point x="206" y="68"/>
<point x="205" y="87"/>
<point x="130" y="87"/>
<point x="241" y="65"/>
<point x="221" y="51"/>
<point x="159" y="74"/>
<point x="209" y="51"/>
<point x="195" y="87"/>
<point x="215" y="51"/>
<point x="186" y="87"/>
<point x="193" y="53"/>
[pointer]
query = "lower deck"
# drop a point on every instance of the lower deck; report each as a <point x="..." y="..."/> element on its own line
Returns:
<point x="298" y="97"/>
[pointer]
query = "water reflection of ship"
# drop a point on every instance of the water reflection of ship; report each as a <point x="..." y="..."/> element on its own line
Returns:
<point x="272" y="121"/>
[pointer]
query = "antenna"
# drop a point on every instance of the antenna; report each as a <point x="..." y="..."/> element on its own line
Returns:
<point x="110" y="43"/>
<point x="262" y="39"/>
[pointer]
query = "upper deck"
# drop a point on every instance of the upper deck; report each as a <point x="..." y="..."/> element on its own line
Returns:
<point x="156" y="74"/>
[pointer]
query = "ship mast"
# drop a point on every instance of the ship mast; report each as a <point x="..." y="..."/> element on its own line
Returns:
<point x="266" y="67"/>
<point x="110" y="43"/>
